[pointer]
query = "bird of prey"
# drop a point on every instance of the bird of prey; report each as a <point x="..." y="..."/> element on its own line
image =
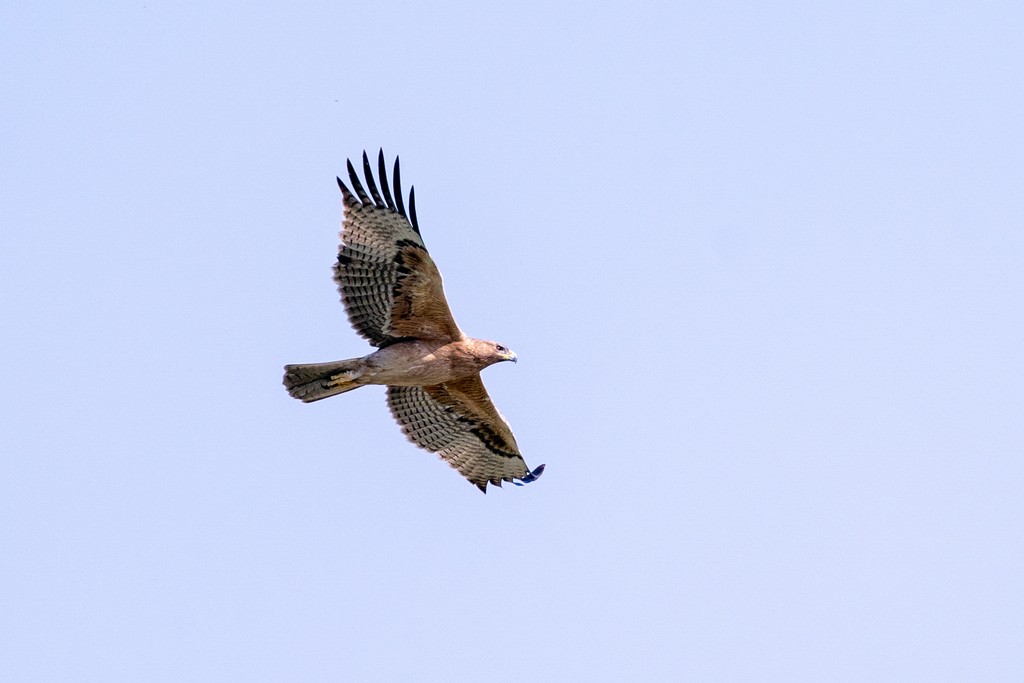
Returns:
<point x="393" y="295"/>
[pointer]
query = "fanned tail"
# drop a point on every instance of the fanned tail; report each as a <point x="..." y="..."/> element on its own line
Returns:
<point x="315" y="381"/>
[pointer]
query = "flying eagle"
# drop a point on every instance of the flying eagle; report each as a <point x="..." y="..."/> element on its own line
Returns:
<point x="393" y="295"/>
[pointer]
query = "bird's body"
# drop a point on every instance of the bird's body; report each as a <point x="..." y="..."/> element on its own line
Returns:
<point x="394" y="298"/>
<point x="417" y="363"/>
<point x="423" y="363"/>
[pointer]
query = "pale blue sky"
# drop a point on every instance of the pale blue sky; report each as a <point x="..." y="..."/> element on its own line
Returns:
<point x="761" y="262"/>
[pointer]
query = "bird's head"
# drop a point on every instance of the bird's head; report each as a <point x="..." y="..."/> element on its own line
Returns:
<point x="500" y="352"/>
<point x="484" y="353"/>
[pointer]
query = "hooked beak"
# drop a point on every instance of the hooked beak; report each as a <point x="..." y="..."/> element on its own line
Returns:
<point x="512" y="356"/>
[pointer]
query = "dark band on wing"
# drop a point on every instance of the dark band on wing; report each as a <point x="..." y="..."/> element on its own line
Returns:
<point x="487" y="436"/>
<point x="407" y="260"/>
<point x="494" y="443"/>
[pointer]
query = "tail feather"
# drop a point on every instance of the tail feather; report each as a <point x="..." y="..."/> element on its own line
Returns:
<point x="315" y="381"/>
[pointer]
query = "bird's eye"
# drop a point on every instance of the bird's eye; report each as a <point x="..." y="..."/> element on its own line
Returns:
<point x="501" y="348"/>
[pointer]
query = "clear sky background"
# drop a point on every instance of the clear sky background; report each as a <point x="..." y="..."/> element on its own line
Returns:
<point x="761" y="262"/>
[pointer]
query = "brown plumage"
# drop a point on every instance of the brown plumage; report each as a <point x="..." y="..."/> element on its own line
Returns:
<point x="394" y="298"/>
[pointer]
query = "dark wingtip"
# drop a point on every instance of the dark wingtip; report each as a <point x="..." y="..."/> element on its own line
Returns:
<point x="382" y="169"/>
<point x="483" y="487"/>
<point x="356" y="185"/>
<point x="371" y="183"/>
<point x="398" y="189"/>
<point x="531" y="476"/>
<point x="344" y="190"/>
<point x="412" y="210"/>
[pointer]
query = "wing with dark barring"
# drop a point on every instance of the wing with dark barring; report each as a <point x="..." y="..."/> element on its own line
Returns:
<point x="458" y="421"/>
<point x="391" y="289"/>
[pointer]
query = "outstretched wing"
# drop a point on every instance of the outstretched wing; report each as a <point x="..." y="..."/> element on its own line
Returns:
<point x="390" y="286"/>
<point x="458" y="421"/>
